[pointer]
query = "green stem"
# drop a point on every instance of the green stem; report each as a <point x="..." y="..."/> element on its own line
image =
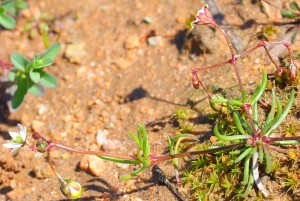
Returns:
<point x="244" y="154"/>
<point x="284" y="114"/>
<point x="229" y="138"/>
<point x="268" y="159"/>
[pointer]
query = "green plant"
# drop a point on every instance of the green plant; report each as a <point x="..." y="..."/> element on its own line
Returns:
<point x="245" y="127"/>
<point x="8" y="9"/>
<point x="41" y="25"/>
<point x="243" y="140"/>
<point x="29" y="75"/>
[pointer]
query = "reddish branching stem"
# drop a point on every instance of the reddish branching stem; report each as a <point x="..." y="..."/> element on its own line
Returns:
<point x="155" y="159"/>
<point x="97" y="153"/>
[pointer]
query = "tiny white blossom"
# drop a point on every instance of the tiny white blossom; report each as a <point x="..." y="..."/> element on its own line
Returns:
<point x="18" y="139"/>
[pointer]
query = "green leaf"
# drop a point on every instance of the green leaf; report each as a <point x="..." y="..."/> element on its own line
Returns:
<point x="259" y="89"/>
<point x="48" y="80"/>
<point x="283" y="115"/>
<point x="294" y="6"/>
<point x="11" y="75"/>
<point x="35" y="76"/>
<point x="118" y="160"/>
<point x="20" y="94"/>
<point x="19" y="61"/>
<point x="21" y="5"/>
<point x="36" y="89"/>
<point x="43" y="63"/>
<point x="7" y="5"/>
<point x="35" y="60"/>
<point x="51" y="52"/>
<point x="295" y="35"/>
<point x="7" y="21"/>
<point x="288" y="14"/>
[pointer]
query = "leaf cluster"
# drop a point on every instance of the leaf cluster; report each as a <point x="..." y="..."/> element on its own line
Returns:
<point x="8" y="9"/>
<point x="29" y="75"/>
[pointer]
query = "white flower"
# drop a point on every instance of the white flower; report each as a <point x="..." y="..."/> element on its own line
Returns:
<point x="18" y="139"/>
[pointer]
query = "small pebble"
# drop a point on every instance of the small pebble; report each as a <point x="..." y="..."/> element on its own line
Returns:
<point x="132" y="42"/>
<point x="42" y="171"/>
<point x="154" y="40"/>
<point x="75" y="52"/>
<point x="42" y="109"/>
<point x="101" y="137"/>
<point x="93" y="165"/>
<point x="110" y="145"/>
<point x="37" y="125"/>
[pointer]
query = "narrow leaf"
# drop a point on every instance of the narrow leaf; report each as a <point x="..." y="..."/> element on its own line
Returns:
<point x="48" y="80"/>
<point x="36" y="89"/>
<point x="295" y="35"/>
<point x="288" y="14"/>
<point x="11" y="75"/>
<point x="19" y="61"/>
<point x="35" y="76"/>
<point x="7" y="21"/>
<point x="51" y="52"/>
<point x="284" y="114"/>
<point x="294" y="6"/>
<point x="41" y="63"/>
<point x="19" y="95"/>
<point x="7" y="5"/>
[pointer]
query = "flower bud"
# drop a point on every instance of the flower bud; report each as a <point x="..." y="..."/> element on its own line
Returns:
<point x="293" y="72"/>
<point x="203" y="17"/>
<point x="70" y="189"/>
<point x="195" y="81"/>
<point x="41" y="144"/>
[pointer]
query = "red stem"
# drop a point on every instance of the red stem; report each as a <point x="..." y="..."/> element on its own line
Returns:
<point x="97" y="153"/>
<point x="155" y="159"/>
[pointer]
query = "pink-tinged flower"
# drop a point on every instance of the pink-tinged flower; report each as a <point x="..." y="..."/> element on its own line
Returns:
<point x="293" y="70"/>
<point x="203" y="17"/>
<point x="70" y="189"/>
<point x="18" y="139"/>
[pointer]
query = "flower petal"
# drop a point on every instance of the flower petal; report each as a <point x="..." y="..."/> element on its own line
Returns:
<point x="23" y="135"/>
<point x="13" y="134"/>
<point x="12" y="145"/>
<point x="23" y="131"/>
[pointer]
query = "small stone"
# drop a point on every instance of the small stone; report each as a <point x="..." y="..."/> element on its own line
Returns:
<point x="130" y="184"/>
<point x="37" y="125"/>
<point x="75" y="52"/>
<point x="132" y="42"/>
<point x="12" y="195"/>
<point x="93" y="165"/>
<point x="154" y="40"/>
<point x="148" y="19"/>
<point x="81" y="71"/>
<point x="13" y="183"/>
<point x="111" y="144"/>
<point x="42" y="109"/>
<point x="101" y="137"/>
<point x="123" y="166"/>
<point x="67" y="118"/>
<point x="122" y="63"/>
<point x="42" y="171"/>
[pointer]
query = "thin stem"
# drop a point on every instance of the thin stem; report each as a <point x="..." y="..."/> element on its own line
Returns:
<point x="226" y="38"/>
<point x="53" y="169"/>
<point x="97" y="153"/>
<point x="274" y="139"/>
<point x="155" y="159"/>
